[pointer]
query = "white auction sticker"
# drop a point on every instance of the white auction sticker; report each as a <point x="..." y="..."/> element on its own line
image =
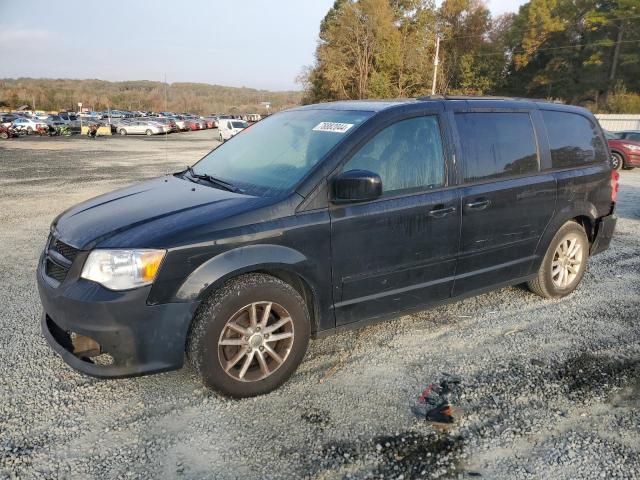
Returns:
<point x="333" y="127"/>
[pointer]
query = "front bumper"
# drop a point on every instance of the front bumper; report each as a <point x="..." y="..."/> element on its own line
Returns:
<point x="139" y="338"/>
<point x="603" y="233"/>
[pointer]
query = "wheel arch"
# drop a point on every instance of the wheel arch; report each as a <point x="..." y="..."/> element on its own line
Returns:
<point x="584" y="213"/>
<point x="278" y="261"/>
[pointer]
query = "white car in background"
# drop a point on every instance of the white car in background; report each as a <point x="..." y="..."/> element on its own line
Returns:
<point x="230" y="128"/>
<point x="29" y="125"/>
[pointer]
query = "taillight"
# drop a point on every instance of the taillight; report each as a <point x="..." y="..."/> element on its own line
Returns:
<point x="615" y="176"/>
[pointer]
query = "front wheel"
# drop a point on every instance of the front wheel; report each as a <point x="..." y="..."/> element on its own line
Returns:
<point x="4" y="135"/>
<point x="123" y="132"/>
<point x="249" y="336"/>
<point x="564" y="263"/>
<point x="617" y="162"/>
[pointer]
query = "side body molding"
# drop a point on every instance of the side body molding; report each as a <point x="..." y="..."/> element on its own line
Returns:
<point x="233" y="262"/>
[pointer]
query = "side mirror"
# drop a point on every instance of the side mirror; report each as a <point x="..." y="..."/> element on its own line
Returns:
<point x="357" y="186"/>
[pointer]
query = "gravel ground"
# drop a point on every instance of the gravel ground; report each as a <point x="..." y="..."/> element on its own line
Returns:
<point x="547" y="388"/>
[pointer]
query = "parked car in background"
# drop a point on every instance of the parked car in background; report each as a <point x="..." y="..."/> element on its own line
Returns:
<point x="139" y="127"/>
<point x="230" y="128"/>
<point x="168" y="122"/>
<point x="92" y="115"/>
<point x="5" y="132"/>
<point x="56" y="120"/>
<point x="6" y="119"/>
<point x="253" y="117"/>
<point x="625" y="152"/>
<point x="29" y="125"/>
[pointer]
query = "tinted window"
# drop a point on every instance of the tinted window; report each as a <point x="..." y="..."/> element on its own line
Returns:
<point x="407" y="155"/>
<point x="496" y="145"/>
<point x="635" y="136"/>
<point x="574" y="140"/>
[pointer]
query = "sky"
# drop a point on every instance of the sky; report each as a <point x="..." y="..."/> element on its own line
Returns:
<point x="251" y="43"/>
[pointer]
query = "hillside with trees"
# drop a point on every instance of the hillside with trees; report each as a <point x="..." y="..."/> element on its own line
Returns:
<point x="585" y="52"/>
<point x="64" y="94"/>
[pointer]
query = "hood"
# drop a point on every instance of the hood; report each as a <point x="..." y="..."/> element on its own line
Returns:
<point x="145" y="213"/>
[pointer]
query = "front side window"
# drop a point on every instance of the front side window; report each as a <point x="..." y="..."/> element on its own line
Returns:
<point x="573" y="139"/>
<point x="275" y="154"/>
<point x="635" y="136"/>
<point x="407" y="155"/>
<point x="496" y="145"/>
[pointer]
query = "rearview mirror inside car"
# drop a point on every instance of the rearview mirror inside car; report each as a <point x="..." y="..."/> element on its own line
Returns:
<point x="357" y="186"/>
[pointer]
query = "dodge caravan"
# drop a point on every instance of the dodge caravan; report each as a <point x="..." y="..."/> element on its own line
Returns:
<point x="321" y="218"/>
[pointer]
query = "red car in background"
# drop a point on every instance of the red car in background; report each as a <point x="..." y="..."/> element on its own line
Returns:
<point x="625" y="153"/>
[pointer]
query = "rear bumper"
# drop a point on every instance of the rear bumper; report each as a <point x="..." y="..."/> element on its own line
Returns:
<point x="603" y="233"/>
<point x="140" y="338"/>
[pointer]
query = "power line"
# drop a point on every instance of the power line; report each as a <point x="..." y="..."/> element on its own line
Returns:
<point x="454" y="37"/>
<point x="593" y="44"/>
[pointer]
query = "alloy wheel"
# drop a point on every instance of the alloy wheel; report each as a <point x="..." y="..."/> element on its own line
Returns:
<point x="567" y="261"/>
<point x="256" y="341"/>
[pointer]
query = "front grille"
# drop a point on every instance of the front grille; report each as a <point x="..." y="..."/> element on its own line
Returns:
<point x="67" y="251"/>
<point x="55" y="271"/>
<point x="56" y="268"/>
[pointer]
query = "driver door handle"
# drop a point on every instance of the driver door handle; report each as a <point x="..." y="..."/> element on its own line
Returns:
<point x="440" y="211"/>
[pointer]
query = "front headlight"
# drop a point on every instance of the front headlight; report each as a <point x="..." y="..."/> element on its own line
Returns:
<point x="122" y="269"/>
<point x="634" y="148"/>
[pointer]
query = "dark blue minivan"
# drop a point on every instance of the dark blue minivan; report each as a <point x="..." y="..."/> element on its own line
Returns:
<point x="321" y="218"/>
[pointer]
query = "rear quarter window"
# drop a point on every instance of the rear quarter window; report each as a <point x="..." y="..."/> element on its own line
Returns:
<point x="496" y="145"/>
<point x="573" y="139"/>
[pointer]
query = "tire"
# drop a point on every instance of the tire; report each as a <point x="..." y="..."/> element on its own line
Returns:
<point x="617" y="161"/>
<point x="122" y="132"/>
<point x="548" y="283"/>
<point x="148" y="133"/>
<point x="29" y="131"/>
<point x="231" y="304"/>
<point x="4" y="135"/>
<point x="220" y="138"/>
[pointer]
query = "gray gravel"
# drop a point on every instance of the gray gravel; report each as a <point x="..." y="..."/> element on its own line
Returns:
<point x="548" y="388"/>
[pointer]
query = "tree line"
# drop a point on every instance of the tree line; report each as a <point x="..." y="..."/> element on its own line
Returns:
<point x="200" y="98"/>
<point x="583" y="52"/>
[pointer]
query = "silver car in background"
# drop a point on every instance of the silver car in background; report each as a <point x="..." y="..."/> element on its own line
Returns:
<point x="139" y="127"/>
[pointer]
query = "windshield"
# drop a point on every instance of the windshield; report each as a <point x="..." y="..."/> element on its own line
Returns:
<point x="276" y="153"/>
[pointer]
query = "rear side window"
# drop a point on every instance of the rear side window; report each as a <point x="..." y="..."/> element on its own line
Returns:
<point x="496" y="145"/>
<point x="407" y="155"/>
<point x="573" y="139"/>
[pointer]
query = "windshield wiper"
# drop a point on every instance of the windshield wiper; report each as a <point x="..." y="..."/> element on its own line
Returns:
<point x="216" y="181"/>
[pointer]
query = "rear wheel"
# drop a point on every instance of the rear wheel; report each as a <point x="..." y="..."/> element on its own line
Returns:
<point x="4" y="135"/>
<point x="148" y="133"/>
<point x="249" y="336"/>
<point x="617" y="162"/>
<point x="123" y="132"/>
<point x="564" y="263"/>
<point x="29" y="130"/>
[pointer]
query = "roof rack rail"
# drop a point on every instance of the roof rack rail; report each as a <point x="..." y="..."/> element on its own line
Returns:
<point x="485" y="97"/>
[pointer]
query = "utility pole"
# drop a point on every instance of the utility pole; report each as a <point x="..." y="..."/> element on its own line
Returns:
<point x="616" y="54"/>
<point x="436" y="61"/>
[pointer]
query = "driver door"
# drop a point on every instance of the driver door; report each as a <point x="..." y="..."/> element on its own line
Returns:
<point x="399" y="251"/>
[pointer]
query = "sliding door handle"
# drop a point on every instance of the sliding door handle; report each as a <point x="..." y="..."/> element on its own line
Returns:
<point x="479" y="204"/>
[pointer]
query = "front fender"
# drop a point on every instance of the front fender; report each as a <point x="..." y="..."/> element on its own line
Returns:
<point x="218" y="269"/>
